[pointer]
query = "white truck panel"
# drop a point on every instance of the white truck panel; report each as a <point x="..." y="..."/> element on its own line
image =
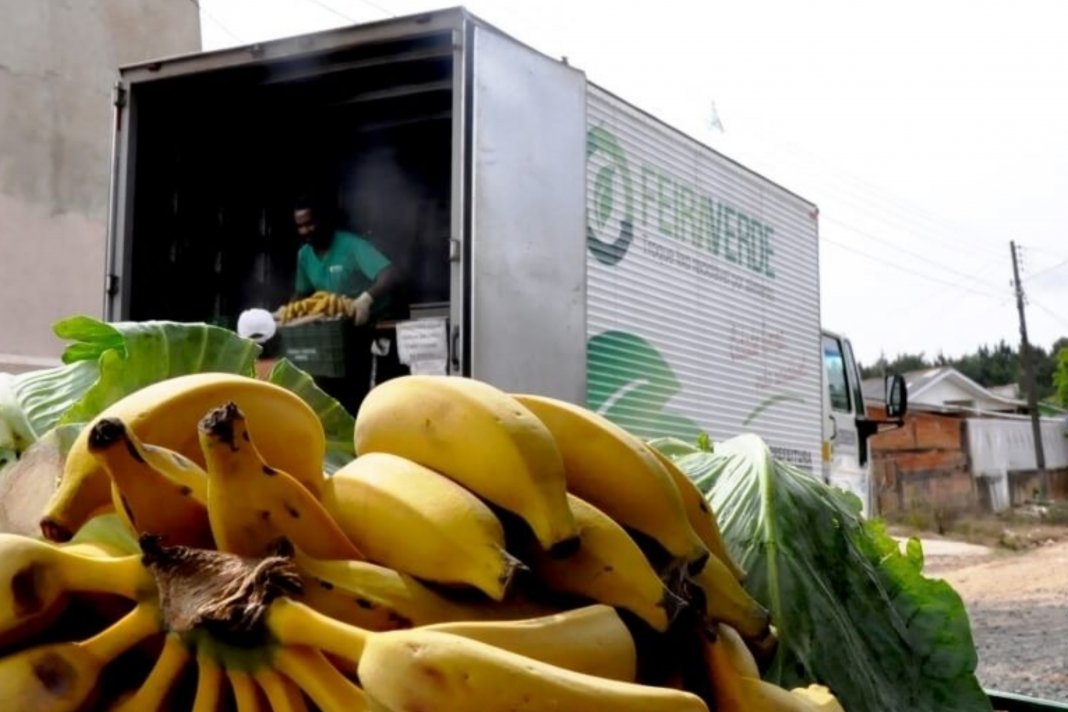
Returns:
<point x="703" y="291"/>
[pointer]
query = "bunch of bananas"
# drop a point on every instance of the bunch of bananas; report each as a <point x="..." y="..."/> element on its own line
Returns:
<point x="325" y="305"/>
<point x="484" y="551"/>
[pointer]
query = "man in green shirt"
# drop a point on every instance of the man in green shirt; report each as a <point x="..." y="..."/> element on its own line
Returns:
<point x="341" y="262"/>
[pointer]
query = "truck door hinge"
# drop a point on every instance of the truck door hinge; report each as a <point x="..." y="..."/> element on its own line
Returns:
<point x="111" y="285"/>
<point x="118" y="95"/>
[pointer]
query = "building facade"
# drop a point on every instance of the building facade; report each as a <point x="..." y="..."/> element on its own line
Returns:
<point x="58" y="65"/>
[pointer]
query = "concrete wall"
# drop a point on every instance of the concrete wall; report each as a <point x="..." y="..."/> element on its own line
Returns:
<point x="58" y="62"/>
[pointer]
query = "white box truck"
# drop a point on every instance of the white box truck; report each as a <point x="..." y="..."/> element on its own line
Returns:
<point x="574" y="245"/>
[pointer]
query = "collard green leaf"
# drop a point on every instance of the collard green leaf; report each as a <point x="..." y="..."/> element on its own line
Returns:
<point x="853" y="612"/>
<point x="152" y="351"/>
<point x="337" y="422"/>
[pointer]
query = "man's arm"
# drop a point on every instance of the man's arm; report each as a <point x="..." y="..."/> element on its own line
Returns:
<point x="387" y="278"/>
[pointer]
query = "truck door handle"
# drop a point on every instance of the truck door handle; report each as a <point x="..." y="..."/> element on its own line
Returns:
<point x="455" y="348"/>
<point x="834" y="428"/>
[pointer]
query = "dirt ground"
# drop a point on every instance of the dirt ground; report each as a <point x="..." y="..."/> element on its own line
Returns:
<point x="1017" y="602"/>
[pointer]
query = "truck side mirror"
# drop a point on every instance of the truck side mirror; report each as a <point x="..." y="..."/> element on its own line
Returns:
<point x="896" y="396"/>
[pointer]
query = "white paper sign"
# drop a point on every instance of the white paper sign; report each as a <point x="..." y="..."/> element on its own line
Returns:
<point x="423" y="344"/>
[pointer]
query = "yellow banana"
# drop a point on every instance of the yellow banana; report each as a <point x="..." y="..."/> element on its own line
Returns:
<point x="153" y="692"/>
<point x="820" y="696"/>
<point x="418" y="669"/>
<point x="725" y="680"/>
<point x="251" y="504"/>
<point x="615" y="472"/>
<point x="761" y="695"/>
<point x="321" y="682"/>
<point x="156" y="492"/>
<point x="208" y="694"/>
<point x="36" y="576"/>
<point x="725" y="601"/>
<point x="591" y="640"/>
<point x="375" y="597"/>
<point x="247" y="696"/>
<point x="408" y="517"/>
<point x="166" y="413"/>
<point x="740" y="656"/>
<point x="699" y="513"/>
<point x="608" y="568"/>
<point x="480" y="437"/>
<point x="62" y="677"/>
<point x="282" y="695"/>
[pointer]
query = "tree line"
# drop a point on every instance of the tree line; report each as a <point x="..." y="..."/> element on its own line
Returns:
<point x="990" y="366"/>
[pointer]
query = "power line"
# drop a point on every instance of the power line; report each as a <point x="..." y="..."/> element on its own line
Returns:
<point x="218" y="22"/>
<point x="340" y="14"/>
<point x="941" y="296"/>
<point x="1044" y="271"/>
<point x="895" y="209"/>
<point x="1060" y="319"/>
<point x="908" y="270"/>
<point x="332" y="11"/>
<point x="895" y="246"/>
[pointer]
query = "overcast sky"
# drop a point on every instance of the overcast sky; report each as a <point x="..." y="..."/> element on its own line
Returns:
<point x="929" y="134"/>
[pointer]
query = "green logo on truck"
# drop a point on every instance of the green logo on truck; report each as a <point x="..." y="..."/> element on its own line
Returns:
<point x="630" y="383"/>
<point x="606" y="238"/>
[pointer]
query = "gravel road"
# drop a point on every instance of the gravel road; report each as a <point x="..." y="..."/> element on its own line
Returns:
<point x="1018" y="606"/>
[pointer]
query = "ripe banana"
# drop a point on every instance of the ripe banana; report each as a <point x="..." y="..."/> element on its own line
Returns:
<point x="725" y="601"/>
<point x="246" y="693"/>
<point x="615" y="472"/>
<point x="408" y="517"/>
<point x="410" y="670"/>
<point x="321" y="682"/>
<point x="251" y="504"/>
<point x="376" y="598"/>
<point x="154" y="491"/>
<point x="725" y="679"/>
<point x="820" y="696"/>
<point x="35" y="577"/>
<point x="478" y="436"/>
<point x="208" y="695"/>
<point x="153" y="692"/>
<point x="62" y="677"/>
<point x="166" y="413"/>
<point x="699" y="513"/>
<point x="608" y="568"/>
<point x="738" y="653"/>
<point x="282" y="695"/>
<point x="592" y="640"/>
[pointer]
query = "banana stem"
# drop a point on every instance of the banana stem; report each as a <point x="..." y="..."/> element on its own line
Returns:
<point x="129" y="630"/>
<point x="124" y="576"/>
<point x="312" y="672"/>
<point x="169" y="665"/>
<point x="293" y="623"/>
<point x="209" y="684"/>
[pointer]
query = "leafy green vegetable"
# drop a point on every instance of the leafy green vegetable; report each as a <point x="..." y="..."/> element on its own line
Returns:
<point x="108" y="361"/>
<point x="852" y="611"/>
<point x="337" y="422"/>
<point x="131" y="355"/>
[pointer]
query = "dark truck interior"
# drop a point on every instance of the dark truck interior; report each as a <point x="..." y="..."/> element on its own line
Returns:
<point x="221" y="157"/>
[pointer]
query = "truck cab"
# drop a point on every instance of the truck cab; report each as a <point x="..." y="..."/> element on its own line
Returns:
<point x="847" y="429"/>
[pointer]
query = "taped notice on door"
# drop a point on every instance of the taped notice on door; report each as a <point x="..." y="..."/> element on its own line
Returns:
<point x="423" y="345"/>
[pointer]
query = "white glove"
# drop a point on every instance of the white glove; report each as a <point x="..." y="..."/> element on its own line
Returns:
<point x="361" y="308"/>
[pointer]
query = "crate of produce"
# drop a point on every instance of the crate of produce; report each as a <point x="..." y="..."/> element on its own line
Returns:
<point x="323" y="347"/>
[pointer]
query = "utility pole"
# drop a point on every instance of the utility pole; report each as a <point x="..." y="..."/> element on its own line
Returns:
<point x="1029" y="378"/>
